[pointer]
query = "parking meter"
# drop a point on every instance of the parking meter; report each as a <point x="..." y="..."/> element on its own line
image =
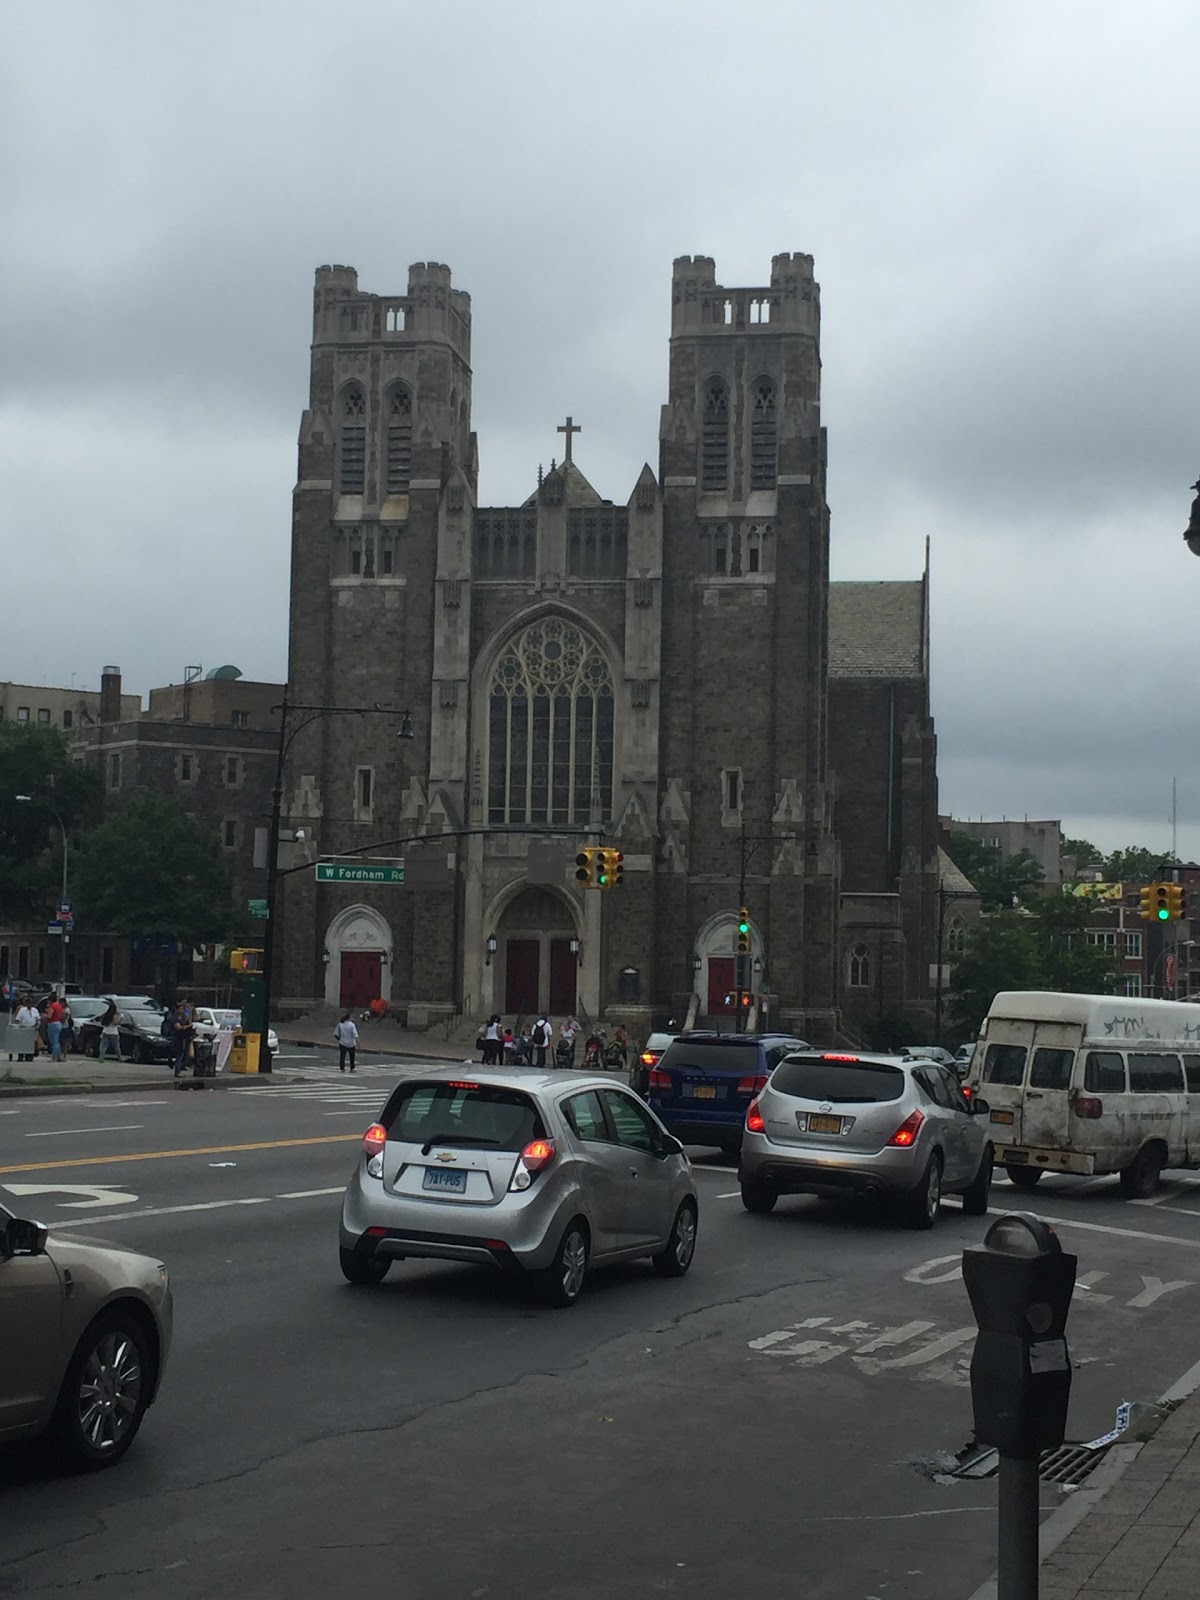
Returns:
<point x="1020" y="1283"/>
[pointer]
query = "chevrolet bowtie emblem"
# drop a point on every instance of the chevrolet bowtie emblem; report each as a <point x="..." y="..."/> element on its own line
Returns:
<point x="444" y="1155"/>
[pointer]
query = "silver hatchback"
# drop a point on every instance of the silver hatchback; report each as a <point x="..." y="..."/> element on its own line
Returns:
<point x="867" y="1124"/>
<point x="544" y="1173"/>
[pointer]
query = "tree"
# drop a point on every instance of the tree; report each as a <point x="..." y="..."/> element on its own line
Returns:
<point x="1000" y="953"/>
<point x="1082" y="852"/>
<point x="1068" y="961"/>
<point x="34" y="762"/>
<point x="150" y="871"/>
<point x="1135" y="864"/>
<point x="1002" y="881"/>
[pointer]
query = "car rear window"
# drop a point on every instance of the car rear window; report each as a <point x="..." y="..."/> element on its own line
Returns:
<point x="1051" y="1069"/>
<point x="712" y="1055"/>
<point x="847" y="1082"/>
<point x="1004" y="1063"/>
<point x="463" y="1112"/>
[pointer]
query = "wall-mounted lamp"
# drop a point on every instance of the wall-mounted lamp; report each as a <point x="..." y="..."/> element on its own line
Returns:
<point x="493" y="944"/>
<point x="697" y="963"/>
<point x="576" y="950"/>
<point x="325" y="957"/>
<point x="758" y="963"/>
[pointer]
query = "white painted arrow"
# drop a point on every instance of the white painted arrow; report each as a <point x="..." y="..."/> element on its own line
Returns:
<point x="97" y="1194"/>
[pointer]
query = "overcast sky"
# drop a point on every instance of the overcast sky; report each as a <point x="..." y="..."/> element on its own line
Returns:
<point x="1004" y="207"/>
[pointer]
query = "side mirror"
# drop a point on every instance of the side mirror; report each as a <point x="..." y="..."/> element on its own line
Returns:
<point x="979" y="1108"/>
<point x="671" y="1146"/>
<point x="21" y="1238"/>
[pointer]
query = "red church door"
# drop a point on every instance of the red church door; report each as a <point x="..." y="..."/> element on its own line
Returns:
<point x="523" y="961"/>
<point x="721" y="979"/>
<point x="563" y="970"/>
<point x="361" y="977"/>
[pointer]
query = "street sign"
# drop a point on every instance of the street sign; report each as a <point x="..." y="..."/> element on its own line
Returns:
<point x="257" y="908"/>
<point x="61" y="927"/>
<point x="65" y="908"/>
<point x="358" y="872"/>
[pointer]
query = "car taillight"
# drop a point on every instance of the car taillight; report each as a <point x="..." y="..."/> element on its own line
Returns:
<point x="1087" y="1105"/>
<point x="752" y="1085"/>
<point x="658" y="1080"/>
<point x="754" y="1121"/>
<point x="374" y="1139"/>
<point x="536" y="1156"/>
<point x="906" y="1133"/>
<point x="649" y="1057"/>
<point x="967" y="1091"/>
<point x="828" y="1056"/>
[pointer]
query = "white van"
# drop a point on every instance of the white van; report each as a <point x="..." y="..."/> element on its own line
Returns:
<point x="1090" y="1084"/>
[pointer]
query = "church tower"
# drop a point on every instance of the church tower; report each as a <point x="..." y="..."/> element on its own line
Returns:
<point x="745" y="809"/>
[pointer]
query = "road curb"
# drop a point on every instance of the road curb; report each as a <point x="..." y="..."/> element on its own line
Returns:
<point x="382" y="1050"/>
<point x="37" y="1091"/>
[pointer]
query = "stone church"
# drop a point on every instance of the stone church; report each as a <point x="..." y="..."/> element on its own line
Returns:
<point x="670" y="673"/>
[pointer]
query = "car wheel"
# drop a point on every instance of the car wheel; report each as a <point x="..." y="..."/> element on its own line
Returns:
<point x="922" y="1206"/>
<point x="1023" y="1177"/>
<point x="1140" y="1178"/>
<point x="360" y="1269"/>
<point x="758" y="1198"/>
<point x="975" y="1199"/>
<point x="562" y="1283"/>
<point x="104" y="1394"/>
<point x="674" y="1261"/>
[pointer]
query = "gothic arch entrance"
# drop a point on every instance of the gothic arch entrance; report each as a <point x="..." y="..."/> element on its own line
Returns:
<point x="538" y="969"/>
<point x="358" y="958"/>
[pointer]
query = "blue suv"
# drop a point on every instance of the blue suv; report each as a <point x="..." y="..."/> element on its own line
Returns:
<point x="703" y="1082"/>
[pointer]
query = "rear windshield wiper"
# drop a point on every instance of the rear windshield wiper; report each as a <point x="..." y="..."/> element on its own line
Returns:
<point x="456" y="1138"/>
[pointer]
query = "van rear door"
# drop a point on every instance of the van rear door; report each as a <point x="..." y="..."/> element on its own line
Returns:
<point x="1046" y="1114"/>
<point x="997" y="1075"/>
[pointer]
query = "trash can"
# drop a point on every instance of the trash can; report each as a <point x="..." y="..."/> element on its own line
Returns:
<point x="204" y="1058"/>
<point x="243" y="1057"/>
<point x="20" y="1043"/>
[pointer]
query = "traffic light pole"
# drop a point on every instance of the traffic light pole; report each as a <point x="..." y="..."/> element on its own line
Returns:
<point x="747" y="845"/>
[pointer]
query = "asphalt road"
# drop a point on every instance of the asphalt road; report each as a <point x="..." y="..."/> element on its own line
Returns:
<point x="768" y="1422"/>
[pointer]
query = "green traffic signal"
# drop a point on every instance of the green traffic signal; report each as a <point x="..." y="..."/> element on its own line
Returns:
<point x="1163" y="914"/>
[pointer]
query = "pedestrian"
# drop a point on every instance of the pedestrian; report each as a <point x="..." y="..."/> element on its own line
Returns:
<point x="493" y="1041"/>
<point x="26" y="1016"/>
<point x="541" y="1038"/>
<point x="346" y="1035"/>
<point x="567" y="1036"/>
<point x="68" y="1029"/>
<point x="620" y="1038"/>
<point x="184" y="1018"/>
<point x="110" y="1032"/>
<point x="55" y="1012"/>
<point x="510" y="1047"/>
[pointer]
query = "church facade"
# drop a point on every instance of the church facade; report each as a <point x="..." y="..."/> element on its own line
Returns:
<point x="670" y="674"/>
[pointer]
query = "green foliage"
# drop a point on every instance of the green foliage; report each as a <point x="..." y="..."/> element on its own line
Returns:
<point x="1136" y="865"/>
<point x="1068" y="962"/>
<point x="1001" y="882"/>
<point x="1083" y="852"/>
<point x="151" y="871"/>
<point x="34" y="762"/>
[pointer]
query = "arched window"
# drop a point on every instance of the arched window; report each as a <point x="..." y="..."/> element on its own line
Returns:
<point x="762" y="436"/>
<point x="714" y="449"/>
<point x="550" y="724"/>
<point x="859" y="975"/>
<point x="399" y="440"/>
<point x="352" y="462"/>
<point x="956" y="938"/>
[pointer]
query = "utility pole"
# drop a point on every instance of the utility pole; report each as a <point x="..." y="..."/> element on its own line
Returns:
<point x="748" y="843"/>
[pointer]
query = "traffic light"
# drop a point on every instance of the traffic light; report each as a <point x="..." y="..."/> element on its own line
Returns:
<point x="1175" y="906"/>
<point x="1146" y="903"/>
<point x="743" y="932"/>
<point x="1162" y="901"/>
<point x="586" y="869"/>
<point x="609" y="868"/>
<point x="245" y="960"/>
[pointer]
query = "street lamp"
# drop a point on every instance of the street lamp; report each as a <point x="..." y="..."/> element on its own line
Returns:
<point x="31" y="800"/>
<point x="308" y="715"/>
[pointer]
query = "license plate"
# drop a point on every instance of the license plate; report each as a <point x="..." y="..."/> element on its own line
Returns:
<point x="445" y="1182"/>
<point x="824" y="1124"/>
<point x="1002" y="1116"/>
<point x="704" y="1091"/>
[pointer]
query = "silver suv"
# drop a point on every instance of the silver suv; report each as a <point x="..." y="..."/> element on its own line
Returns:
<point x="874" y="1125"/>
<point x="545" y="1172"/>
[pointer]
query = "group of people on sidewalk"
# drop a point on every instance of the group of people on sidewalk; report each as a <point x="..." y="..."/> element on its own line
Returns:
<point x="528" y="1045"/>
<point x="52" y="1023"/>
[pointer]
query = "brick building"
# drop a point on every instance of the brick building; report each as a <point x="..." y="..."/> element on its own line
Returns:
<point x="665" y="672"/>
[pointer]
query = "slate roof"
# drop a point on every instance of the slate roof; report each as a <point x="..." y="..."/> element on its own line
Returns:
<point x="876" y="630"/>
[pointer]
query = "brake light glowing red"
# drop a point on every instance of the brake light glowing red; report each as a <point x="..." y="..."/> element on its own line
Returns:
<point x="538" y="1153"/>
<point x="828" y="1057"/>
<point x="967" y="1091"/>
<point x="754" y="1121"/>
<point x="456" y="1083"/>
<point x="1087" y="1106"/>
<point x="374" y="1139"/>
<point x="753" y="1084"/>
<point x="906" y="1133"/>
<point x="649" y="1057"/>
<point x="658" y="1080"/>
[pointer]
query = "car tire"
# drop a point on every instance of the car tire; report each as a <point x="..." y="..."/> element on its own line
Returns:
<point x="360" y="1270"/>
<point x="757" y="1198"/>
<point x="921" y="1207"/>
<point x="674" y="1261"/>
<point x="1141" y="1177"/>
<point x="1023" y="1177"/>
<point x="561" y="1284"/>
<point x="104" y="1394"/>
<point x="975" y="1198"/>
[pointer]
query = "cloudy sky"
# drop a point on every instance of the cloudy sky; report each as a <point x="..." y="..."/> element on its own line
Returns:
<point x="1004" y="206"/>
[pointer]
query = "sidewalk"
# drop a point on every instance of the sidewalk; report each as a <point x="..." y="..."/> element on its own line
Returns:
<point x="1141" y="1540"/>
<point x="315" y="1031"/>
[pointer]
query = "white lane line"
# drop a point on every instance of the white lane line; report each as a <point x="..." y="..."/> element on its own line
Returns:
<point x="311" y="1194"/>
<point x="1178" y="1211"/>
<point x="113" y="1127"/>
<point x="354" y="1111"/>
<point x="167" y="1211"/>
<point x="1102" y="1227"/>
<point x="734" y="1194"/>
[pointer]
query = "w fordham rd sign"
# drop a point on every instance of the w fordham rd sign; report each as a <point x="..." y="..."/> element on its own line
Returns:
<point x="360" y="872"/>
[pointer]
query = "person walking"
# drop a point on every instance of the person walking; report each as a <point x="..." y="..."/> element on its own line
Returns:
<point x="346" y="1034"/>
<point x="541" y="1039"/>
<point x="55" y="1012"/>
<point x="493" y="1041"/>
<point x="26" y="1016"/>
<point x="182" y="1026"/>
<point x="110" y="1032"/>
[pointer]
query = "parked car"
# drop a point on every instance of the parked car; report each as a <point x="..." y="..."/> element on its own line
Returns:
<point x="963" y="1057"/>
<point x="139" y="1035"/>
<point x="890" y="1126"/>
<point x="210" y="1020"/>
<point x="703" y="1082"/>
<point x="928" y="1052"/>
<point x="86" y="1330"/>
<point x="537" y="1172"/>
<point x="647" y="1057"/>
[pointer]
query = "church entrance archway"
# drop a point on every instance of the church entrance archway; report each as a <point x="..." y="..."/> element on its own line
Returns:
<point x="358" y="958"/>
<point x="534" y="946"/>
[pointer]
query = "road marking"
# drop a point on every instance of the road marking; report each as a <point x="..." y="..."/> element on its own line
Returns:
<point x="311" y="1194"/>
<point x="1155" y="1289"/>
<point x="202" y="1205"/>
<point x="203" y="1150"/>
<point x="55" y="1133"/>
<point x="1098" y="1227"/>
<point x="862" y="1340"/>
<point x="734" y="1194"/>
<point x="101" y="1195"/>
